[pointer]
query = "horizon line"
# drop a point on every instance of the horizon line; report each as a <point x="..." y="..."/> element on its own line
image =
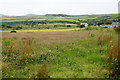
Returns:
<point x="58" y="13"/>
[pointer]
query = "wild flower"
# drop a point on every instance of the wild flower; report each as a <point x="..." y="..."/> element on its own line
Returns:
<point x="17" y="53"/>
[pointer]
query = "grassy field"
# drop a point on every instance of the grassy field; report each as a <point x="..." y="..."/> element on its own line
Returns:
<point x="44" y="30"/>
<point x="47" y="46"/>
<point x="56" y="54"/>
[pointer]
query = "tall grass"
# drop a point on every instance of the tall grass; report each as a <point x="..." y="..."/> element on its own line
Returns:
<point x="24" y="58"/>
<point x="113" y="60"/>
<point x="102" y="39"/>
<point x="19" y="52"/>
<point x="43" y="72"/>
<point x="16" y="55"/>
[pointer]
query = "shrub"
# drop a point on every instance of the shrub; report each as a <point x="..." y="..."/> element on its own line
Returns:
<point x="3" y="26"/>
<point x="90" y="28"/>
<point x="55" y="26"/>
<point x="13" y="31"/>
<point x="92" y="35"/>
<point x="117" y="29"/>
<point x="81" y="26"/>
<point x="68" y="25"/>
<point x="18" y="28"/>
<point x="9" y="27"/>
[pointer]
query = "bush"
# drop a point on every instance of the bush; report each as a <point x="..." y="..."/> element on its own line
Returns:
<point x="92" y="35"/>
<point x="91" y="28"/>
<point x="117" y="29"/>
<point x="68" y="25"/>
<point x="81" y="26"/>
<point x="9" y="27"/>
<point x="18" y="28"/>
<point x="55" y="26"/>
<point x="3" y="26"/>
<point x="13" y="31"/>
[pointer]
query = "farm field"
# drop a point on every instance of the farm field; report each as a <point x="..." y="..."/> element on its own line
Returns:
<point x="54" y="21"/>
<point x="44" y="30"/>
<point x="56" y="54"/>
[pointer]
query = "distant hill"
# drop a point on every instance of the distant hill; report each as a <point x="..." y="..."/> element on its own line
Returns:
<point x="63" y="15"/>
<point x="2" y="15"/>
<point x="31" y="15"/>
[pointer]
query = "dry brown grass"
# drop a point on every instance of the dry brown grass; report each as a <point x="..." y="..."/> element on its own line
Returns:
<point x="113" y="60"/>
<point x="113" y="50"/>
<point x="43" y="72"/>
<point x="103" y="39"/>
<point x="49" y="37"/>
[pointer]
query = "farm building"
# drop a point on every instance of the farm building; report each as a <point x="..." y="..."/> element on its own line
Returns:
<point x="116" y="24"/>
<point x="77" y="21"/>
<point x="110" y="26"/>
<point x="107" y="26"/>
<point x="86" y="24"/>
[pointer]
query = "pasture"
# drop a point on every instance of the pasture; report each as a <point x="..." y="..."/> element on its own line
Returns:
<point x="56" y="54"/>
<point x="57" y="46"/>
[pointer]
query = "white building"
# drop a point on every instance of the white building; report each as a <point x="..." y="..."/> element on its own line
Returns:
<point x="86" y="24"/>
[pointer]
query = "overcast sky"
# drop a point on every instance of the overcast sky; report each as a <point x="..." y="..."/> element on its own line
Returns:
<point x="71" y="7"/>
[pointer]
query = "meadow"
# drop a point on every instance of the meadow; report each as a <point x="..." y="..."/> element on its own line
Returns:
<point x="56" y="46"/>
<point x="58" y="54"/>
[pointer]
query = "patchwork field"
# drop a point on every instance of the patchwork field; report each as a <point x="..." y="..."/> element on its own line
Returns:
<point x="60" y="54"/>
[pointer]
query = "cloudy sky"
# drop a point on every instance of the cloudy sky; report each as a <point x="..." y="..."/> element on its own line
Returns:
<point x="71" y="7"/>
